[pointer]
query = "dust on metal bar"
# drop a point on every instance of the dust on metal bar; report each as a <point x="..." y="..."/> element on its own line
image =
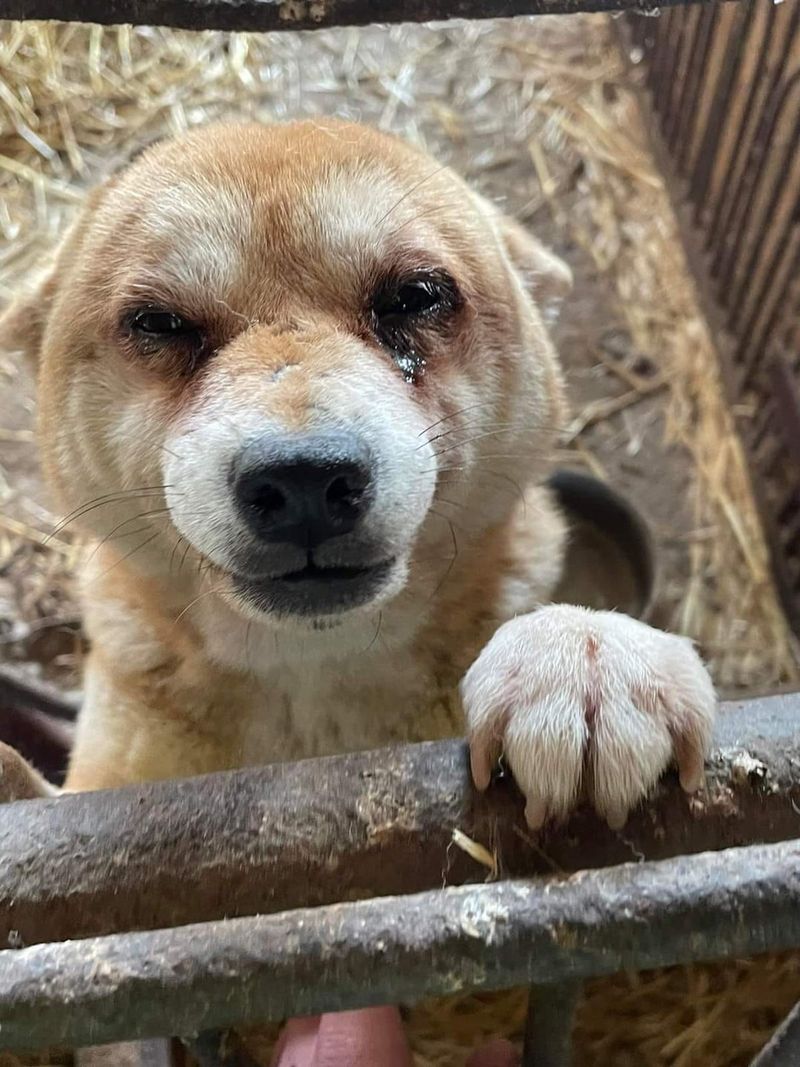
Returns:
<point x="260" y="15"/>
<point x="347" y="827"/>
<point x="738" y="902"/>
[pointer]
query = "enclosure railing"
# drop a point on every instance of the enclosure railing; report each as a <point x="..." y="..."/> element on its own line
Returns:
<point x="724" y="82"/>
<point x="262" y="15"/>
<point x="236" y="898"/>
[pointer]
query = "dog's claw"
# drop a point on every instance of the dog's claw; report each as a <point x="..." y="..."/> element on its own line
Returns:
<point x="565" y="688"/>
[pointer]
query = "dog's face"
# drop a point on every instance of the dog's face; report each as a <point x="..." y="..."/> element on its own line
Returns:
<point x="306" y="354"/>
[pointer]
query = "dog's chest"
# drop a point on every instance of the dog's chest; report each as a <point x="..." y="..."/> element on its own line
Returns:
<point x="298" y="713"/>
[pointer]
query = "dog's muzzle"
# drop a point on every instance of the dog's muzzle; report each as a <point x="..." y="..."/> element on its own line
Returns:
<point x="303" y="499"/>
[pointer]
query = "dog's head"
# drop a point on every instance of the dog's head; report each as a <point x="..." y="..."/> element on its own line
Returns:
<point x="307" y="354"/>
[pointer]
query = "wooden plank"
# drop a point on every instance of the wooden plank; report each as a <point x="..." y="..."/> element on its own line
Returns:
<point x="354" y="826"/>
<point x="738" y="902"/>
<point x="261" y="15"/>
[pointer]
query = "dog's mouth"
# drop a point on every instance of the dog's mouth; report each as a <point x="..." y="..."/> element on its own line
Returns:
<point x="314" y="589"/>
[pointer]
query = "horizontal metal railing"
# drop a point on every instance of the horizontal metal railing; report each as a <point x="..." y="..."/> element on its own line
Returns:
<point x="262" y="15"/>
<point x="174" y="907"/>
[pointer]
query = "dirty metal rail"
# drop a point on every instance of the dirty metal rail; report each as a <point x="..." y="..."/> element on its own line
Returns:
<point x="401" y="949"/>
<point x="260" y="15"/>
<point x="347" y="827"/>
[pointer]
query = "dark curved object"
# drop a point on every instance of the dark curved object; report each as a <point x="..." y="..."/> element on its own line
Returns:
<point x="36" y="720"/>
<point x="588" y="498"/>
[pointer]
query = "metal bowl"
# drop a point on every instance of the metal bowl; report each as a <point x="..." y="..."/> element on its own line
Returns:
<point x="610" y="561"/>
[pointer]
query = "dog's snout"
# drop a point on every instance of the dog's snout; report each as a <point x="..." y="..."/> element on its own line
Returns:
<point x="304" y="489"/>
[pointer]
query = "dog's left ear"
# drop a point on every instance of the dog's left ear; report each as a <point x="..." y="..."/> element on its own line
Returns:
<point x="545" y="276"/>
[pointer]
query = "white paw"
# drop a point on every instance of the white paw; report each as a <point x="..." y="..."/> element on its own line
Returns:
<point x="587" y="704"/>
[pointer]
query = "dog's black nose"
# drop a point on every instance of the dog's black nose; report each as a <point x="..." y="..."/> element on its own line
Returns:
<point x="303" y="489"/>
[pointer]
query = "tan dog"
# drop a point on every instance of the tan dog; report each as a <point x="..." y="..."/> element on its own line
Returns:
<point x="295" y="382"/>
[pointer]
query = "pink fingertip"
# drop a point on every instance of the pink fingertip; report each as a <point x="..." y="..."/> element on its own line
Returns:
<point x="371" y="1037"/>
<point x="297" y="1045"/>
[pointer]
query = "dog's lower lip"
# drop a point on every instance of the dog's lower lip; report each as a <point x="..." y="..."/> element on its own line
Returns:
<point x="313" y="572"/>
<point x="314" y="590"/>
<point x="325" y="574"/>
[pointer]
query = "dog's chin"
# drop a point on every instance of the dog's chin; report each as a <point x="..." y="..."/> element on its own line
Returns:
<point x="314" y="596"/>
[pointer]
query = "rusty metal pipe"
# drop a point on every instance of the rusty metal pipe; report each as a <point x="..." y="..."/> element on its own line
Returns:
<point x="738" y="902"/>
<point x="548" y="1030"/>
<point x="347" y="827"/>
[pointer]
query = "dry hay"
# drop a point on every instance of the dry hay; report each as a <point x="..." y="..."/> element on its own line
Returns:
<point x="537" y="111"/>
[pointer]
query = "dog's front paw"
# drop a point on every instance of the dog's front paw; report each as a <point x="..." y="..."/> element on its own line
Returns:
<point x="587" y="704"/>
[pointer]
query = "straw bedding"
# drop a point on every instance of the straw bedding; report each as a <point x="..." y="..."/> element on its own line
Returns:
<point x="540" y="114"/>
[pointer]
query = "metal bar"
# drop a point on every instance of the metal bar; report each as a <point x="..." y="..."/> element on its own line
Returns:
<point x="757" y="173"/>
<point x="734" y="172"/>
<point x="346" y="827"/>
<point x="754" y="344"/>
<point x="662" y="51"/>
<point x="783" y="1049"/>
<point x="548" y="1031"/>
<point x="666" y="95"/>
<point x="715" y="122"/>
<point x="218" y="1048"/>
<point x="761" y="137"/>
<point x="261" y="15"/>
<point x="761" y="227"/>
<point x="668" y="99"/>
<point x="680" y="132"/>
<point x="775" y="335"/>
<point x="739" y="902"/>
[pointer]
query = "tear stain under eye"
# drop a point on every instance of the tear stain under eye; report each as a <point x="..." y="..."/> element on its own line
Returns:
<point x="411" y="365"/>
<point x="410" y="362"/>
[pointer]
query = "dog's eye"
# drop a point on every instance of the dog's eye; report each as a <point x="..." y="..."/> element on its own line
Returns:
<point x="157" y="323"/>
<point x="165" y="339"/>
<point x="412" y="298"/>
<point x="405" y="311"/>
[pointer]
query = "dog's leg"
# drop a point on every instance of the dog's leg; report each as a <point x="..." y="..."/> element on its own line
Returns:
<point x="590" y="705"/>
<point x="172" y="721"/>
<point x="18" y="780"/>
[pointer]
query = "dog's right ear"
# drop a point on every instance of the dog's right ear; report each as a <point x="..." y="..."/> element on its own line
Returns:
<point x="22" y="323"/>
